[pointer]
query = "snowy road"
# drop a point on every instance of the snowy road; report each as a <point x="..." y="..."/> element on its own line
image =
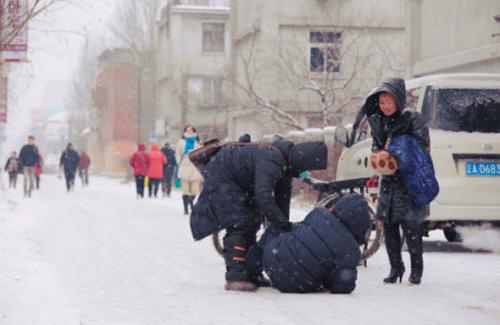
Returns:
<point x="99" y="256"/>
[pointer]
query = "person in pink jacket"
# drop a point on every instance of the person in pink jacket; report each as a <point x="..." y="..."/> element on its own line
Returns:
<point x="157" y="161"/>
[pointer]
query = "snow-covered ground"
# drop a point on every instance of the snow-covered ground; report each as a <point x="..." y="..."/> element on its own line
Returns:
<point x="100" y="256"/>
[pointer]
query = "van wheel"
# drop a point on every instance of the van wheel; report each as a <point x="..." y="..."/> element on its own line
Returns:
<point x="452" y="234"/>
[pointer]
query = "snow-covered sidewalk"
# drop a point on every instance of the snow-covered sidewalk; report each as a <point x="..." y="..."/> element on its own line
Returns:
<point x="100" y="256"/>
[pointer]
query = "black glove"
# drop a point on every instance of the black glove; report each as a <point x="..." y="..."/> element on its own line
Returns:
<point x="285" y="226"/>
<point x="379" y="138"/>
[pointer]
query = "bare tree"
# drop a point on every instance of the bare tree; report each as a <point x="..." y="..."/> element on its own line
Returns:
<point x="334" y="75"/>
<point x="135" y="28"/>
<point x="10" y="28"/>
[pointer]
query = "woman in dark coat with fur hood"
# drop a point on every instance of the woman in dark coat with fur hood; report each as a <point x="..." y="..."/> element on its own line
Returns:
<point x="385" y="109"/>
<point x="244" y="184"/>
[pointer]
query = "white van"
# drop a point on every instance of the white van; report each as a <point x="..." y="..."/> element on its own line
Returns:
<point x="463" y="111"/>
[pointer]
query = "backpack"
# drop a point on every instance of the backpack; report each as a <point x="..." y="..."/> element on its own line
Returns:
<point x="416" y="167"/>
<point x="201" y="157"/>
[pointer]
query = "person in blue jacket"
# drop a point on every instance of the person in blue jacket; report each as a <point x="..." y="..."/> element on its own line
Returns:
<point x="319" y="253"/>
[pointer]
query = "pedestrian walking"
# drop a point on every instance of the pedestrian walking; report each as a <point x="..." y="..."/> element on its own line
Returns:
<point x="83" y="168"/>
<point x="244" y="184"/>
<point x="12" y="168"/>
<point x="169" y="168"/>
<point x="38" y="171"/>
<point x="157" y="161"/>
<point x="190" y="177"/>
<point x="69" y="163"/>
<point x="28" y="158"/>
<point x="388" y="118"/>
<point x="139" y="161"/>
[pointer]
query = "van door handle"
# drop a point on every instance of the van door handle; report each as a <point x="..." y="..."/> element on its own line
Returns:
<point x="366" y="162"/>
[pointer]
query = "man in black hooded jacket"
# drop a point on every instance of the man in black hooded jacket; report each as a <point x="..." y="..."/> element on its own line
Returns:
<point x="69" y="162"/>
<point x="385" y="109"/>
<point x="244" y="184"/>
<point x="321" y="252"/>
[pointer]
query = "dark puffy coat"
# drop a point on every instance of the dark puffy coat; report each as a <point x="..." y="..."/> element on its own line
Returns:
<point x="395" y="204"/>
<point x="29" y="156"/>
<point x="320" y="252"/>
<point x="69" y="160"/>
<point x="12" y="165"/>
<point x="245" y="183"/>
<point x="171" y="162"/>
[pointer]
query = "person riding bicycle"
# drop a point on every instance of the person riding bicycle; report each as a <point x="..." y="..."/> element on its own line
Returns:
<point x="321" y="252"/>
<point x="244" y="184"/>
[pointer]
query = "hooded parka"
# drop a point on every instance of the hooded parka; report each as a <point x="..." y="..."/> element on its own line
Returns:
<point x="245" y="183"/>
<point x="395" y="204"/>
<point x="157" y="160"/>
<point x="321" y="252"/>
<point x="140" y="161"/>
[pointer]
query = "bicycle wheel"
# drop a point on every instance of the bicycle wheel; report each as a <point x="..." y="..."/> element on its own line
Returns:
<point x="217" y="241"/>
<point x="217" y="238"/>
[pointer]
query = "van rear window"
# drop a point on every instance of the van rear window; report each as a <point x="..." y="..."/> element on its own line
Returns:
<point x="468" y="110"/>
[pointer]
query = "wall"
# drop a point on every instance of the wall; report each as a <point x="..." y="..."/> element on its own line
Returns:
<point x="454" y="36"/>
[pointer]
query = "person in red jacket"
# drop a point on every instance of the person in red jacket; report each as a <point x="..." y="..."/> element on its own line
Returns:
<point x="157" y="161"/>
<point x="38" y="171"/>
<point x="83" y="168"/>
<point x="140" y="163"/>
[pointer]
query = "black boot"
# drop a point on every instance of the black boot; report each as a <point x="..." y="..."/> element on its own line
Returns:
<point x="393" y="246"/>
<point x="413" y="233"/>
<point x="235" y="251"/>
<point x="191" y="201"/>
<point x="417" y="268"/>
<point x="185" y="201"/>
<point x="395" y="274"/>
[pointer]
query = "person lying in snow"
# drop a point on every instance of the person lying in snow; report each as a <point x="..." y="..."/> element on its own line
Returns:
<point x="319" y="253"/>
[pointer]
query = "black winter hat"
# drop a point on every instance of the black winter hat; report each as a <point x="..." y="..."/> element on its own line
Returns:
<point x="354" y="212"/>
<point x="311" y="155"/>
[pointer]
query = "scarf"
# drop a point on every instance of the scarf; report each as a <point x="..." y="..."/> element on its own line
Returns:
<point x="189" y="144"/>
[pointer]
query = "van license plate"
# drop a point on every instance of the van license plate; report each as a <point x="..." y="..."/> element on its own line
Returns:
<point x="482" y="168"/>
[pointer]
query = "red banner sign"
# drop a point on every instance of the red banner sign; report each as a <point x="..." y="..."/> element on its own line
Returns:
<point x="15" y="29"/>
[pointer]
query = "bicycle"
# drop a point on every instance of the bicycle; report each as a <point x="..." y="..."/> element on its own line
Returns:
<point x="329" y="192"/>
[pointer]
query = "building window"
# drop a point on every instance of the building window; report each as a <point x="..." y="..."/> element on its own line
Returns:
<point x="213" y="37"/>
<point x="206" y="89"/>
<point x="325" y="51"/>
<point x="211" y="91"/>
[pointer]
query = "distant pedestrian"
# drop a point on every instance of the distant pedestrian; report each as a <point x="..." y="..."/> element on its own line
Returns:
<point x="188" y="174"/>
<point x="169" y="168"/>
<point x="140" y="163"/>
<point x="12" y="167"/>
<point x="38" y="171"/>
<point x="83" y="168"/>
<point x="69" y="163"/>
<point x="28" y="158"/>
<point x="155" y="169"/>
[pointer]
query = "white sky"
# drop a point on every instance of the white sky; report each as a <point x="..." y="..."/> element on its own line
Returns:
<point x="55" y="44"/>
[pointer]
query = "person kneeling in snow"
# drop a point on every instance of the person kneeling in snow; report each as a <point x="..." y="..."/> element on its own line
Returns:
<point x="319" y="253"/>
